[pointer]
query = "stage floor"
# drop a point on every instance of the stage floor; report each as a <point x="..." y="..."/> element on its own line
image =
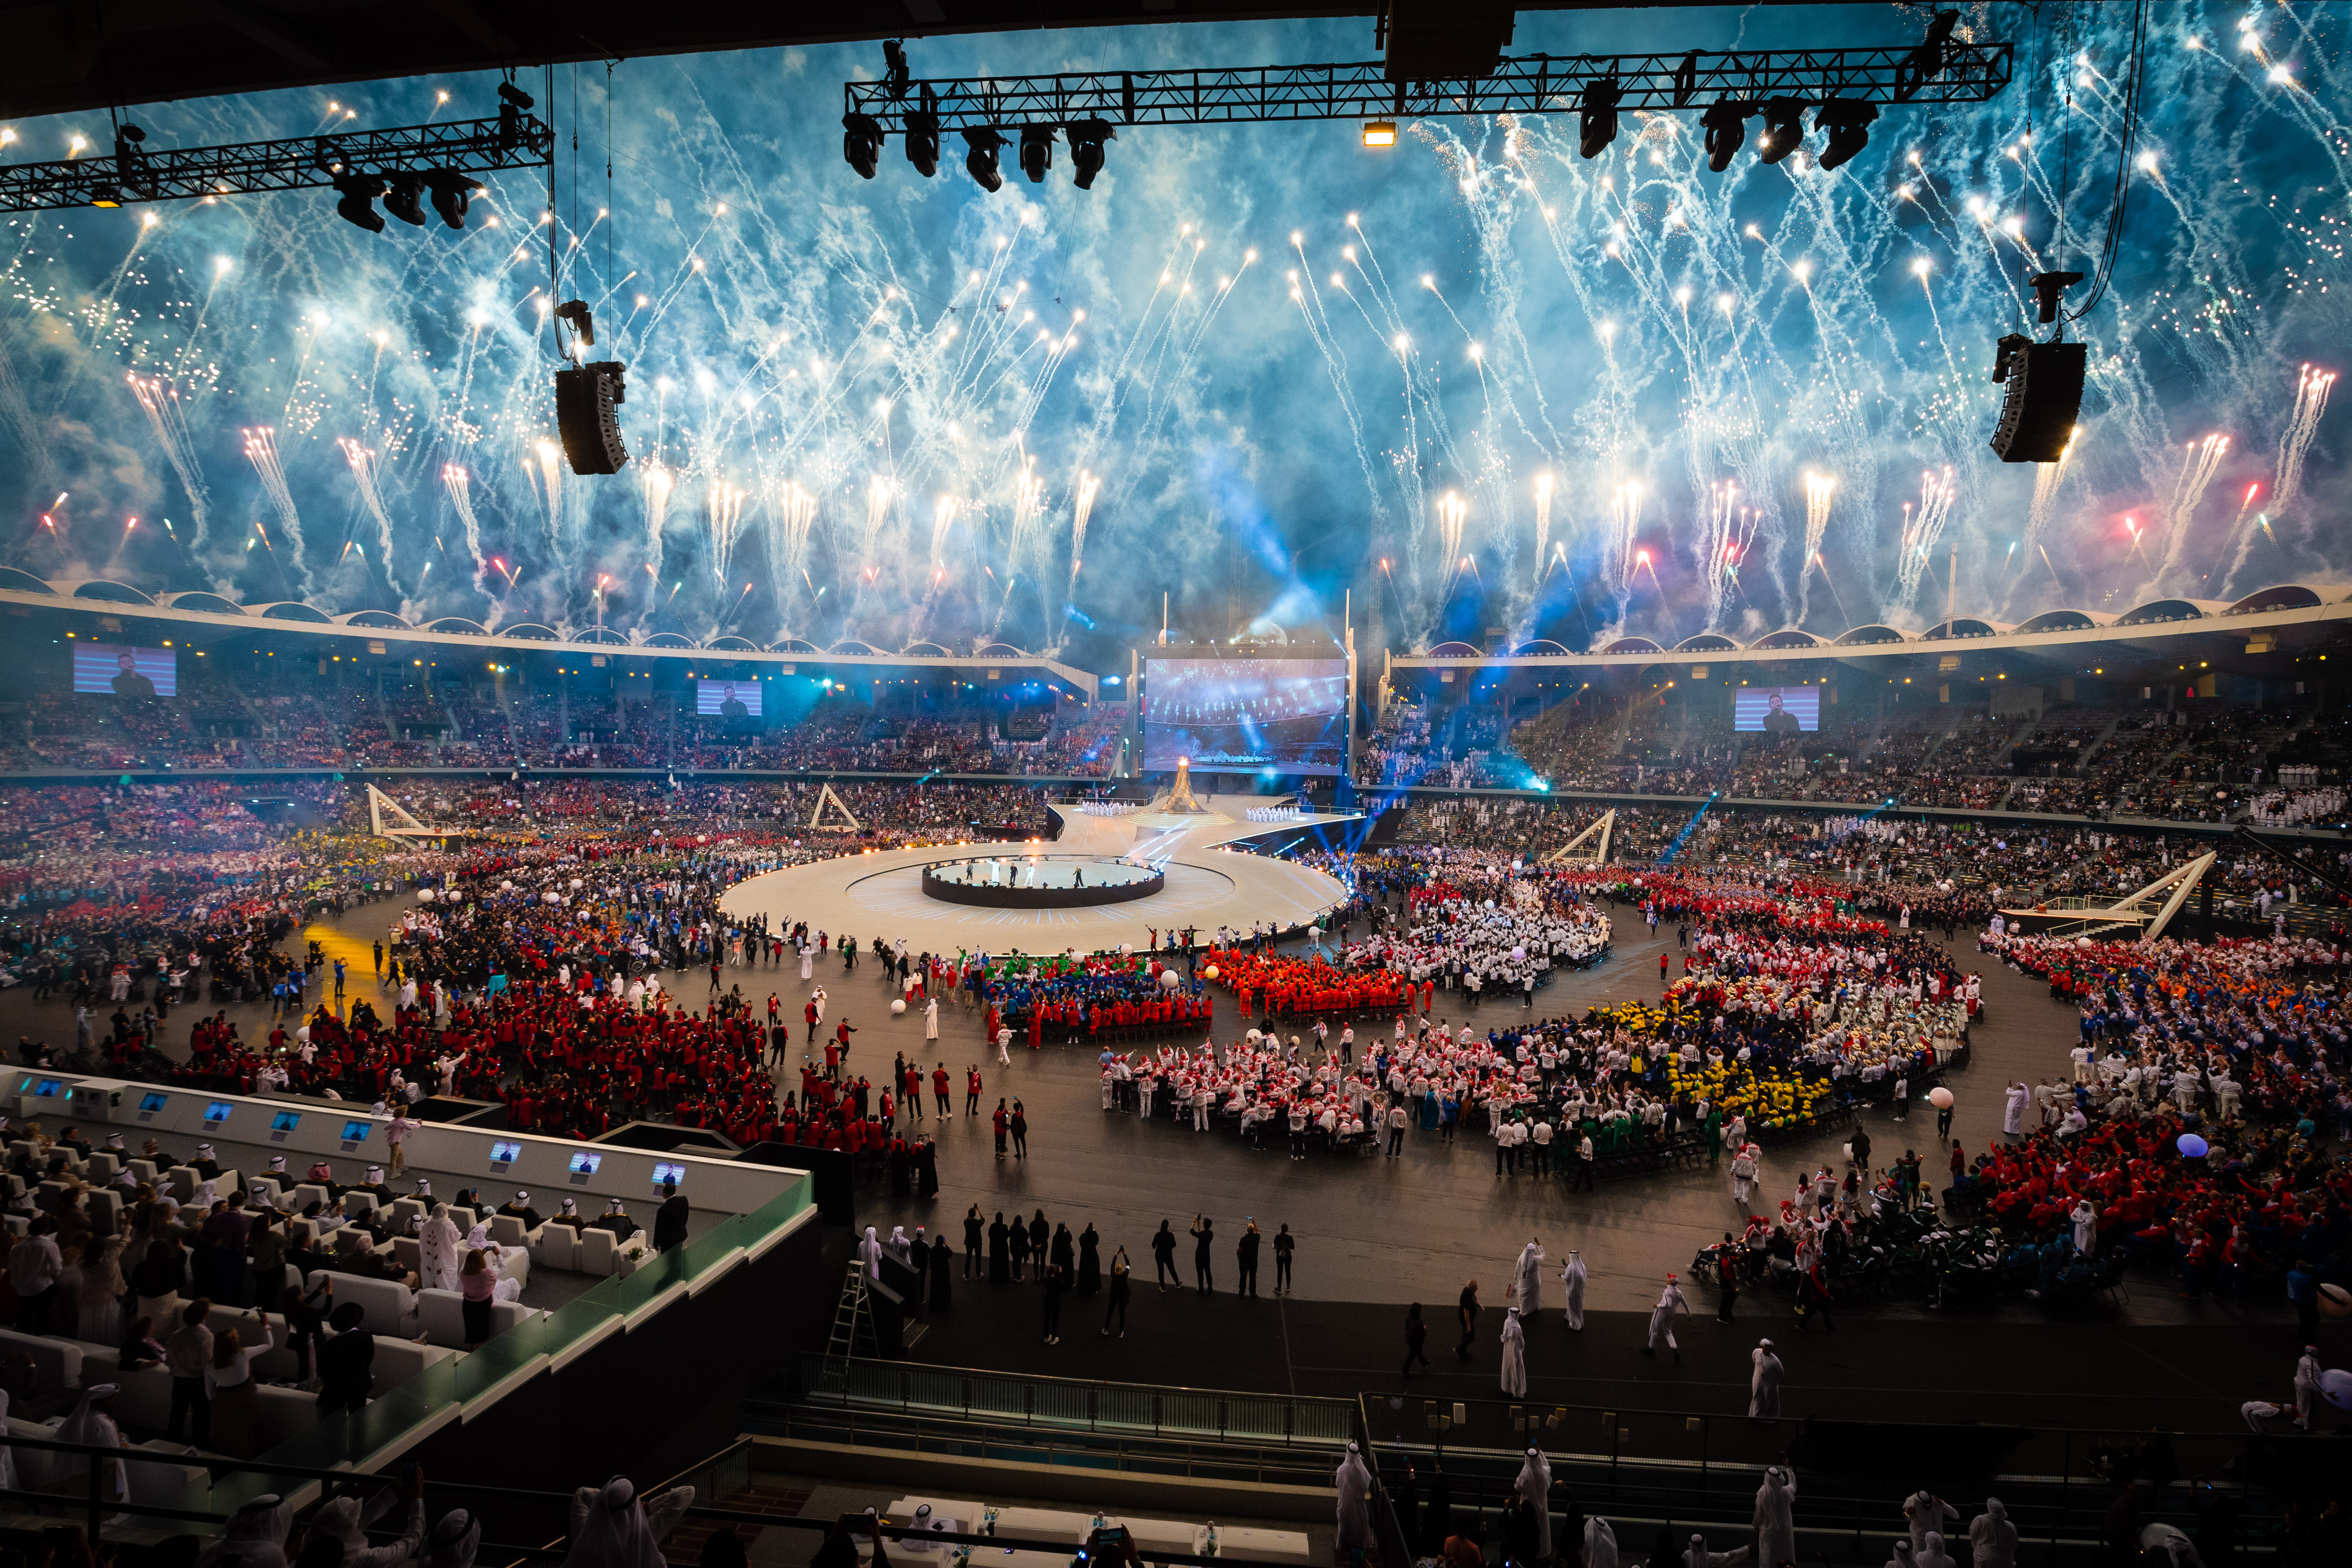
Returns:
<point x="1208" y="886"/>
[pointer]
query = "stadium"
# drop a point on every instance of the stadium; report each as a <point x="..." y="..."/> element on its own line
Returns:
<point x="1617" y="729"/>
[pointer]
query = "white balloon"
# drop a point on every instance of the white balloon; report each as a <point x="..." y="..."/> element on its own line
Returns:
<point x="898" y="1006"/>
<point x="423" y="895"/>
<point x="1170" y="979"/>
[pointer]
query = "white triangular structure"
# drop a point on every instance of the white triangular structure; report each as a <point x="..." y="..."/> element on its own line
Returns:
<point x="1574" y="852"/>
<point x="403" y="825"/>
<point x="2076" y="916"/>
<point x="826" y="797"/>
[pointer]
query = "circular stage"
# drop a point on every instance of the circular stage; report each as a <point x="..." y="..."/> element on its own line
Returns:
<point x="1201" y="887"/>
<point x="1040" y="881"/>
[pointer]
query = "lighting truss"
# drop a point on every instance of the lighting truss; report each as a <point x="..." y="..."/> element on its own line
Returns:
<point x="1526" y="84"/>
<point x="514" y="140"/>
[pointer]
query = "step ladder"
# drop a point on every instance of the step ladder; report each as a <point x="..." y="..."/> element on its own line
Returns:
<point x="852" y="1331"/>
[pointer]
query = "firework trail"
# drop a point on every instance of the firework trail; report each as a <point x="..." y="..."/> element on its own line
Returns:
<point x="1937" y="493"/>
<point x="792" y="515"/>
<point x="460" y="488"/>
<point x="1451" y="512"/>
<point x="1543" y="520"/>
<point x="1624" y="522"/>
<point x="2046" y="478"/>
<point x="723" y="510"/>
<point x="362" y="462"/>
<point x="943" y="518"/>
<point x="655" y="483"/>
<point x="547" y="483"/>
<point x="1082" y="506"/>
<point x="1028" y="504"/>
<point x="2198" y="466"/>
<point x="2230" y="536"/>
<point x="161" y="400"/>
<point x="1820" y="491"/>
<point x="261" y="451"/>
<point x="1725" y="530"/>
<point x="2310" y="388"/>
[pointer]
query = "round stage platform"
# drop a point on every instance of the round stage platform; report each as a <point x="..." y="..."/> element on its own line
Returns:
<point x="1040" y="881"/>
<point x="1202" y="887"/>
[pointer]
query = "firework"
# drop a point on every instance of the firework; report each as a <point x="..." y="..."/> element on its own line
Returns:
<point x="167" y="416"/>
<point x="261" y="451"/>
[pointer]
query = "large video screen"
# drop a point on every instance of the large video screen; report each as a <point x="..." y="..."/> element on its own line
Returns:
<point x="1776" y="710"/>
<point x="728" y="699"/>
<point x="1245" y="715"/>
<point x="126" y="671"/>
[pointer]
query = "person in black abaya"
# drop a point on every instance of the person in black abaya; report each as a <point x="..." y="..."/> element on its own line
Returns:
<point x="927" y="1169"/>
<point x="942" y="1260"/>
<point x="1020" y="1244"/>
<point x="1040" y="1236"/>
<point x="1089" y="1261"/>
<point x="901" y="1183"/>
<point x="1000" y="1257"/>
<point x="1065" y="1254"/>
<point x="1437" y="1512"/>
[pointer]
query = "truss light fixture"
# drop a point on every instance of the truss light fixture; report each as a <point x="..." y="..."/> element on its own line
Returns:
<point x="1380" y="132"/>
<point x="404" y="196"/>
<point x="1848" y="121"/>
<point x="357" y="201"/>
<point x="861" y="142"/>
<point x="452" y="193"/>
<point x="980" y="159"/>
<point x="1087" y="139"/>
<point x="923" y="137"/>
<point x="1784" y="129"/>
<point x="1726" y="125"/>
<point x="1036" y="152"/>
<point x="1596" y="116"/>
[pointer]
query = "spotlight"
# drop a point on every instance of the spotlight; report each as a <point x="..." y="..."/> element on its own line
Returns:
<point x="1726" y="124"/>
<point x="894" y="80"/>
<point x="1036" y="152"/>
<point x="357" y="204"/>
<point x="1846" y="120"/>
<point x="1596" y="116"/>
<point x="1784" y="129"/>
<point x="1380" y="132"/>
<point x="981" y="160"/>
<point x="512" y="101"/>
<point x="1087" y="139"/>
<point x="452" y="193"/>
<point x="401" y="200"/>
<point x="923" y="135"/>
<point x="1925" y="63"/>
<point x="861" y="142"/>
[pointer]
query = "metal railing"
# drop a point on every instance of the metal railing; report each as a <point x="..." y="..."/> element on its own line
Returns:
<point x="1231" y="1461"/>
<point x="1071" y="1404"/>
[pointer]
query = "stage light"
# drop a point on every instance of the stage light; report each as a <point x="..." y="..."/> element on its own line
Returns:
<point x="1596" y="116"/>
<point x="1726" y="124"/>
<point x="1784" y="129"/>
<point x="452" y="193"/>
<point x="1380" y="132"/>
<point x="1087" y="139"/>
<point x="357" y="201"/>
<point x="861" y="142"/>
<point x="1036" y="152"/>
<point x="923" y="140"/>
<point x="980" y="162"/>
<point x="1847" y="121"/>
<point x="402" y="198"/>
<point x="894" y="79"/>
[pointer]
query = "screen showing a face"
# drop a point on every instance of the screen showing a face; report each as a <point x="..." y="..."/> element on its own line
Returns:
<point x="1776" y="710"/>
<point x="356" y="1131"/>
<point x="50" y="1087"/>
<point x="218" y="1111"/>
<point x="504" y="1153"/>
<point x="585" y="1164"/>
<point x="286" y="1121"/>
<point x="728" y="699"/>
<point x="1245" y="715"/>
<point x="151" y="1103"/>
<point x="667" y="1174"/>
<point x="126" y="671"/>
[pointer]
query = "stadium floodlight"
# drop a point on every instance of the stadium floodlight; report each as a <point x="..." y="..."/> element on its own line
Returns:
<point x="1380" y="132"/>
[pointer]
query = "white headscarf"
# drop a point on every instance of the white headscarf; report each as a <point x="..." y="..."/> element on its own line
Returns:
<point x="437" y="1259"/>
<point x="254" y="1536"/>
<point x="615" y="1534"/>
<point x="454" y="1538"/>
<point x="870" y="1253"/>
<point x="95" y="1429"/>
<point x="1599" y="1542"/>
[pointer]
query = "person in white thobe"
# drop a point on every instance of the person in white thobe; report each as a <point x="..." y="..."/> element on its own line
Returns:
<point x="612" y="1529"/>
<point x="2162" y="1544"/>
<point x="1353" y="1483"/>
<point x="931" y="1020"/>
<point x="1935" y="1556"/>
<point x="1515" y="1355"/>
<point x="1662" y="1319"/>
<point x="1572" y="1280"/>
<point x="1600" y="1544"/>
<point x="808" y="962"/>
<point x="1699" y="1556"/>
<point x="1527" y="1279"/>
<point x="869" y="1254"/>
<point x="2306" y="1385"/>
<point x="2087" y="1226"/>
<point x="1903" y="1556"/>
<point x="437" y="1254"/>
<point x="1775" y="1517"/>
<point x="1764" y="1384"/>
<point x="1993" y="1536"/>
<point x="92" y="1426"/>
<point x="1534" y="1485"/>
<point x="1926" y="1512"/>
<point x="2012" y="1115"/>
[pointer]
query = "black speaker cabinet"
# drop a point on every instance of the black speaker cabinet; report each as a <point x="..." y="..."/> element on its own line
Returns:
<point x="586" y="398"/>
<point x="2044" y="399"/>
